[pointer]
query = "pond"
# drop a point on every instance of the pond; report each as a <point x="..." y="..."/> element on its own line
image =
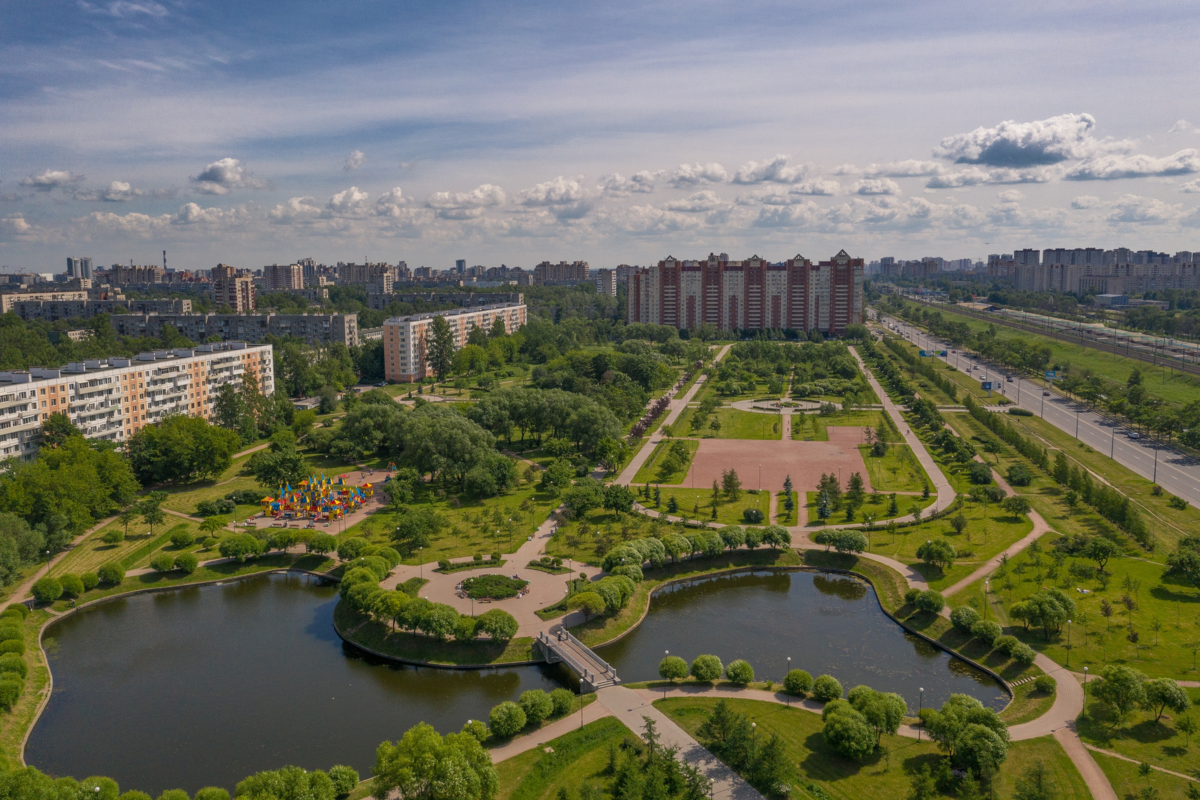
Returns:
<point x="205" y="685"/>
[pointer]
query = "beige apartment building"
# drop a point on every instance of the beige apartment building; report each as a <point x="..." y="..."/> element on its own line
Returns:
<point x="115" y="398"/>
<point x="405" y="352"/>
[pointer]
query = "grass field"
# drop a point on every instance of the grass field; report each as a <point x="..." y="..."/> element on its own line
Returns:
<point x="876" y="506"/>
<point x="734" y="424"/>
<point x="782" y="515"/>
<point x="16" y="721"/>
<point x="922" y="384"/>
<point x="1027" y="704"/>
<point x="651" y="472"/>
<point x="896" y="471"/>
<point x="565" y="763"/>
<point x="1128" y="783"/>
<point x="1138" y="736"/>
<point x="695" y="503"/>
<point x="878" y="776"/>
<point x="814" y="427"/>
<point x="380" y="638"/>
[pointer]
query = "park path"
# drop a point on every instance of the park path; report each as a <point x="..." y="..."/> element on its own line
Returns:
<point x="632" y="709"/>
<point x="25" y="588"/>
<point x="522" y="744"/>
<point x="678" y="404"/>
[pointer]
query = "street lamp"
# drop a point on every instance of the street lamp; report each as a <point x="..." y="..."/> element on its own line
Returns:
<point x="420" y="563"/>
<point x="920" y="708"/>
<point x="1085" y="674"/>
<point x="785" y="692"/>
<point x="667" y="654"/>
<point x="1068" y="643"/>
<point x="986" y="588"/>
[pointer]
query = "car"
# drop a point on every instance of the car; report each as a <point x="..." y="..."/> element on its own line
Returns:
<point x="381" y="384"/>
<point x="1134" y="435"/>
<point x="1008" y="378"/>
<point x="1045" y="394"/>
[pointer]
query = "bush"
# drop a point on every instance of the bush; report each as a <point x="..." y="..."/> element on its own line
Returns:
<point x="826" y="688"/>
<point x="980" y="473"/>
<point x="476" y="729"/>
<point x="1045" y="684"/>
<point x="739" y="672"/>
<point x="536" y="704"/>
<point x="986" y="631"/>
<point x="562" y="700"/>
<point x="506" y="720"/>
<point x="444" y="564"/>
<point x="389" y="555"/>
<point x="114" y="536"/>
<point x="496" y="587"/>
<point x="344" y="779"/>
<point x="163" y="562"/>
<point x="182" y="538"/>
<point x="211" y="793"/>
<point x="910" y="596"/>
<point x="672" y="668"/>
<point x="1020" y="412"/>
<point x="707" y="668"/>
<point x="186" y="563"/>
<point x="12" y="646"/>
<point x="12" y="629"/>
<point x="498" y="624"/>
<point x="18" y="608"/>
<point x="71" y="584"/>
<point x="352" y="548"/>
<point x="753" y="516"/>
<point x="797" y="682"/>
<point x="1019" y="475"/>
<point x="1024" y="654"/>
<point x="931" y="602"/>
<point x="11" y="662"/>
<point x="47" y="590"/>
<point x="465" y="629"/>
<point x="90" y="581"/>
<point x="631" y="571"/>
<point x="964" y="618"/>
<point x="1006" y="643"/>
<point x="355" y="576"/>
<point x="111" y="574"/>
<point x="10" y="692"/>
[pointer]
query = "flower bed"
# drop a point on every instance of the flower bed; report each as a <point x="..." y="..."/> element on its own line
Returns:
<point x="496" y="587"/>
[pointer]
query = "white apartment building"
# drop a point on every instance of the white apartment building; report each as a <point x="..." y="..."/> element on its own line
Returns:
<point x="405" y="354"/>
<point x="115" y="398"/>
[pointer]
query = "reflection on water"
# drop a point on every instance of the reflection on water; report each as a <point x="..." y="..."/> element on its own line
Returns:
<point x="205" y="685"/>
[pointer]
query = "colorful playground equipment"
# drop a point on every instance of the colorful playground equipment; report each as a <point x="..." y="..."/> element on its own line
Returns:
<point x="317" y="499"/>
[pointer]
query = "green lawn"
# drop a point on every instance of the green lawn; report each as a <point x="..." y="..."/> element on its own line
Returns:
<point x="695" y="503"/>
<point x="814" y="427"/>
<point x="565" y="763"/>
<point x="585" y="540"/>
<point x="1128" y="783"/>
<point x="15" y="722"/>
<point x="650" y="472"/>
<point x="876" y="505"/>
<point x="924" y="387"/>
<point x="878" y="776"/>
<point x="1139" y="736"/>
<point x="734" y="424"/>
<point x="896" y="471"/>
<point x="782" y="515"/>
<point x="380" y="638"/>
<point x="1027" y="704"/>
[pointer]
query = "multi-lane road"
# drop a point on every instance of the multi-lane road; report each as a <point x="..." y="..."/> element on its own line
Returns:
<point x="1176" y="474"/>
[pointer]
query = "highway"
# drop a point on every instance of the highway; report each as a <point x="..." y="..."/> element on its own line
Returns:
<point x="1175" y="473"/>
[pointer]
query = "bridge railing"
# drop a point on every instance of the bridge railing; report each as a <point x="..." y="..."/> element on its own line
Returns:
<point x="608" y="670"/>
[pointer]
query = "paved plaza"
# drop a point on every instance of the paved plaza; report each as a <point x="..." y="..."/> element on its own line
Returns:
<point x="804" y="461"/>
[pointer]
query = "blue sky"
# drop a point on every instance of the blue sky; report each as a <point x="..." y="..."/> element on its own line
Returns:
<point x="618" y="132"/>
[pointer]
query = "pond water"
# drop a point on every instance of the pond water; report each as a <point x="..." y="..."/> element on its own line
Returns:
<point x="205" y="685"/>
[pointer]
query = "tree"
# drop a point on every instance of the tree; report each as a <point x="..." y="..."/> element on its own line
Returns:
<point x="1121" y="688"/>
<point x="847" y="733"/>
<point x="706" y="668"/>
<point x="959" y="523"/>
<point x="152" y="514"/>
<point x="498" y="624"/>
<point x="672" y="668"/>
<point x="797" y="682"/>
<point x="181" y="449"/>
<point x="1035" y="783"/>
<point x="416" y="529"/>
<point x="973" y="736"/>
<point x="980" y="473"/>
<point x="739" y="672"/>
<point x="1017" y="505"/>
<point x="826" y="688"/>
<point x="279" y="465"/>
<point x="440" y="347"/>
<point x="536" y="704"/>
<point x="930" y="601"/>
<point x="590" y="603"/>
<point x="211" y="525"/>
<point x="883" y="711"/>
<point x="506" y="719"/>
<point x="186" y="563"/>
<point x="618" y="498"/>
<point x="1164" y="694"/>
<point x="937" y="552"/>
<point x="1100" y="550"/>
<point x="731" y="484"/>
<point x="56" y="429"/>
<point x="288" y="783"/>
<point x="426" y="766"/>
<point x="47" y="590"/>
<point x="111" y="574"/>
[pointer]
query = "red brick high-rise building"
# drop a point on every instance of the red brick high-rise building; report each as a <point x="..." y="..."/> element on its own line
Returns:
<point x="750" y="294"/>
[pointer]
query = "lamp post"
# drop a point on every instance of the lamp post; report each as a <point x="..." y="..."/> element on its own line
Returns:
<point x="1077" y="409"/>
<point x="1112" y="445"/>
<point x="986" y="588"/>
<point x="1085" y="674"/>
<point x="785" y="674"/>
<point x="1068" y="644"/>
<point x="668" y="653"/>
<point x="420" y="563"/>
<point x="920" y="708"/>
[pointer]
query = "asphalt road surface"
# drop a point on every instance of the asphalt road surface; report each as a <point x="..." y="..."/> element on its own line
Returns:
<point x="1177" y="474"/>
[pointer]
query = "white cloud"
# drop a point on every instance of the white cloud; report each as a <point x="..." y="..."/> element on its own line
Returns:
<point x="1085" y="201"/>
<point x="774" y="171"/>
<point x="1112" y="167"/>
<point x="1181" y="126"/>
<point x="297" y="209"/>
<point x="348" y="202"/>
<point x="1017" y="145"/>
<point x="353" y="161"/>
<point x="640" y="183"/>
<point x="975" y="176"/>
<point x="846" y="169"/>
<point x="390" y="203"/>
<point x="1191" y="187"/>
<point x="706" y="200"/>
<point x="193" y="214"/>
<point x="51" y="179"/>
<point x="803" y="215"/>
<point x="466" y="205"/>
<point x="910" y="168"/>
<point x="567" y="199"/>
<point x="646" y="220"/>
<point x="15" y="225"/>
<point x="223" y="176"/>
<point x="123" y="8"/>
<point x="1008" y="213"/>
<point x="1132" y="208"/>
<point x="117" y="192"/>
<point x="875" y="186"/>
<point x="1011" y="195"/>
<point x="695" y="174"/>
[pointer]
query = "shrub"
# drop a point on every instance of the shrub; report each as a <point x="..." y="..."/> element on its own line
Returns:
<point x="12" y="630"/>
<point x="71" y="584"/>
<point x="506" y="720"/>
<point x="986" y="631"/>
<point x="389" y="555"/>
<point x="797" y="682"/>
<point x="631" y="571"/>
<point x="826" y="688"/>
<point x="672" y="668"/>
<point x="444" y="564"/>
<point x="964" y="618"/>
<point x="931" y="602"/>
<point x="344" y="779"/>
<point x="1045" y="684"/>
<point x="739" y="672"/>
<point x="707" y="668"/>
<point x="114" y="536"/>
<point x="12" y="646"/>
<point x="355" y="576"/>
<point x="10" y="692"/>
<point x="47" y="590"/>
<point x="1020" y="412"/>
<point x="18" y="608"/>
<point x="496" y="587"/>
<point x="186" y="563"/>
<point x="352" y="548"/>
<point x="465" y="628"/>
<point x="182" y="538"/>
<point x="910" y="596"/>
<point x="11" y="662"/>
<point x="980" y="473"/>
<point x="562" y="700"/>
<point x="163" y="562"/>
<point x="1019" y="475"/>
<point x="477" y="729"/>
<point x="753" y="516"/>
<point x="1006" y="643"/>
<point x="536" y="704"/>
<point x="90" y="581"/>
<point x="498" y="624"/>
<point x="1024" y="654"/>
<point x="477" y="557"/>
<point x="212" y="793"/>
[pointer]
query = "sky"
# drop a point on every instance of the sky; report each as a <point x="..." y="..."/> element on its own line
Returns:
<point x="616" y="132"/>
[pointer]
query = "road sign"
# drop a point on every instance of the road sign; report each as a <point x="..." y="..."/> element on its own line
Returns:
<point x="932" y="353"/>
<point x="1051" y="375"/>
<point x="986" y="385"/>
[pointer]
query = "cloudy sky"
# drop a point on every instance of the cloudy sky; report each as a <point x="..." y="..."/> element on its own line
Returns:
<point x="254" y="133"/>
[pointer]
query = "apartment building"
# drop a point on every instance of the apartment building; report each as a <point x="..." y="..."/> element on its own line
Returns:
<point x="606" y="282"/>
<point x="312" y="328"/>
<point x="79" y="267"/>
<point x="404" y="338"/>
<point x="283" y="277"/>
<point x="54" y="310"/>
<point x="115" y="398"/>
<point x="120" y="275"/>
<point x="231" y="288"/>
<point x="751" y="294"/>
<point x="560" y="274"/>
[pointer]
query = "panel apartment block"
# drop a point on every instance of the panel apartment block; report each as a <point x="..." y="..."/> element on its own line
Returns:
<point x="312" y="328"/>
<point x="114" y="399"/>
<point x="753" y="294"/>
<point x="405" y="353"/>
<point x="53" y="310"/>
<point x="283" y="277"/>
<point x="561" y="274"/>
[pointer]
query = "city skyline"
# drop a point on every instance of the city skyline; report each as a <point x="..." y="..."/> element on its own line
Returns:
<point x="230" y="134"/>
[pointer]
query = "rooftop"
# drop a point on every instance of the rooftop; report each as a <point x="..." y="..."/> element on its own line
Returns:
<point x="94" y="366"/>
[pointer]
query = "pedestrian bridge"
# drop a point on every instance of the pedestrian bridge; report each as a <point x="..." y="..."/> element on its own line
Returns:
<point x="560" y="646"/>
